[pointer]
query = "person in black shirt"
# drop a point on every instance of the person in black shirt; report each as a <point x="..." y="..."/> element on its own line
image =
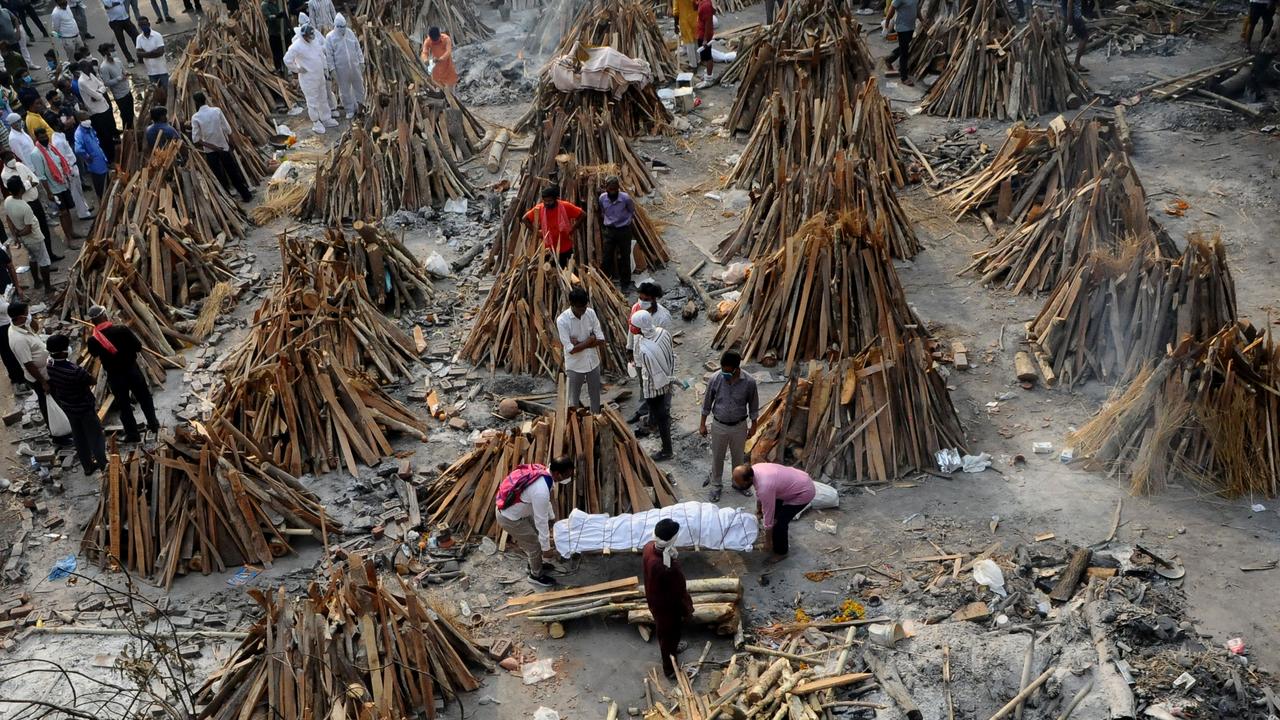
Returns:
<point x="11" y="364"/>
<point x="117" y="348"/>
<point x="72" y="388"/>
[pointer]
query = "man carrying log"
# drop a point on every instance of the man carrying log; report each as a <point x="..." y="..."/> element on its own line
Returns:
<point x="781" y="493"/>
<point x="733" y="402"/>
<point x="554" y="220"/>
<point x="617" y="211"/>
<point x="666" y="592"/>
<point x="580" y="334"/>
<point x="117" y="348"/>
<point x="524" y="511"/>
<point x="656" y="361"/>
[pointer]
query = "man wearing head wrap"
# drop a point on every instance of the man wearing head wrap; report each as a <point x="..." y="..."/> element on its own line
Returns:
<point x="437" y="50"/>
<point x="347" y="60"/>
<point x="307" y="58"/>
<point x="117" y="348"/>
<point x="656" y="361"/>
<point x="19" y="141"/>
<point x="666" y="591"/>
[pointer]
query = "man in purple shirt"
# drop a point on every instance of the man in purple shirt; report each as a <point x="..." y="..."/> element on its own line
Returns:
<point x="617" y="210"/>
<point x="782" y="493"/>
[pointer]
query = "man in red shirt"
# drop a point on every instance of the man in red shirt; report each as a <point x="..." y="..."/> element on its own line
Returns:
<point x="666" y="591"/>
<point x="554" y="220"/>
<point x="706" y="32"/>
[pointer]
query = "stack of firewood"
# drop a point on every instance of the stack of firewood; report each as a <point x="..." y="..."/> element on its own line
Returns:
<point x="394" y="278"/>
<point x="808" y="128"/>
<point x="613" y="475"/>
<point x="1112" y="315"/>
<point x="998" y="71"/>
<point x="813" y="49"/>
<point x="628" y="26"/>
<point x="196" y="504"/>
<point x="515" y="327"/>
<point x="318" y="344"/>
<point x="456" y="18"/>
<point x="1035" y="167"/>
<point x="577" y="152"/>
<point x="355" y="645"/>
<point x="784" y="203"/>
<point x="869" y="418"/>
<point x="234" y="79"/>
<point x="405" y="151"/>
<point x="716" y="603"/>
<point x="637" y="112"/>
<point x="827" y="293"/>
<point x="156" y="247"/>
<point x="251" y="31"/>
<point x="1208" y="412"/>
<point x="1104" y="213"/>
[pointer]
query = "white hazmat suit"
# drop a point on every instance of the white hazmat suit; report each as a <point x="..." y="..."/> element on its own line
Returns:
<point x="347" y="60"/>
<point x="307" y="58"/>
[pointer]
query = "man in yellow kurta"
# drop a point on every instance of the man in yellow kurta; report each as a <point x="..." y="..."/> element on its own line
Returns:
<point x="686" y="14"/>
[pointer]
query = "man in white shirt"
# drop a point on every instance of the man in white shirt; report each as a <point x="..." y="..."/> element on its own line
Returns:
<point x="30" y="195"/>
<point x="150" y="46"/>
<point x="120" y="24"/>
<point x="66" y="33"/>
<point x="581" y="334"/>
<point x="21" y="223"/>
<point x="19" y="141"/>
<point x="211" y="132"/>
<point x="524" y="511"/>
<point x="29" y="350"/>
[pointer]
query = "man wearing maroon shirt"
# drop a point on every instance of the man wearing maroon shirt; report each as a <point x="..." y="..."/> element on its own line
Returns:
<point x="666" y="592"/>
<point x="706" y="32"/>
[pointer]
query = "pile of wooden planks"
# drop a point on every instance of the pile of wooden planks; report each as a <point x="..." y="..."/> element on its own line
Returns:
<point x="405" y="151"/>
<point x="236" y="80"/>
<point x="1113" y="315"/>
<point x="828" y="292"/>
<point x="156" y="248"/>
<point x="251" y="32"/>
<point x="457" y="18"/>
<point x="996" y="71"/>
<point x="301" y="389"/>
<point x="809" y="127"/>
<point x="1034" y="167"/>
<point x="1104" y="213"/>
<point x="1208" y="83"/>
<point x="761" y="683"/>
<point x="943" y="24"/>
<point x="638" y="111"/>
<point x="613" y="473"/>
<point x="357" y="645"/>
<point x="577" y="151"/>
<point x="628" y="26"/>
<point x="196" y="504"/>
<point x="515" y="327"/>
<point x="1208" y="412"/>
<point x="870" y="418"/>
<point x="716" y="602"/>
<point x="844" y="184"/>
<point x="811" y="49"/>
<point x="394" y="278"/>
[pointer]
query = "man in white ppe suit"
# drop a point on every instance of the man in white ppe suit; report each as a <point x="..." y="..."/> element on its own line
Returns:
<point x="347" y="60"/>
<point x="307" y="58"/>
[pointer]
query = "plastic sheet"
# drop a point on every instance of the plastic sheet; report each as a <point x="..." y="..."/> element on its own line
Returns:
<point x="703" y="526"/>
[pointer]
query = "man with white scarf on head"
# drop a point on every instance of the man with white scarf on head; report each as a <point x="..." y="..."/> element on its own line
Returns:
<point x="655" y="358"/>
<point x="347" y="60"/>
<point x="307" y="58"/>
<point x="666" y="592"/>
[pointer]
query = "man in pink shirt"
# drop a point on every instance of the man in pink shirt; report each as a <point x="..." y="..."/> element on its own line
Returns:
<point x="782" y="493"/>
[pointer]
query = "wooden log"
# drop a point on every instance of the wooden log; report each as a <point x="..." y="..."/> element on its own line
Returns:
<point x="892" y="685"/>
<point x="1023" y="368"/>
<point x="498" y="149"/>
<point x="1022" y="696"/>
<point x="1070" y="578"/>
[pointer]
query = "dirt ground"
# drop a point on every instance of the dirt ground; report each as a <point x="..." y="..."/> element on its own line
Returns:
<point x="1223" y="167"/>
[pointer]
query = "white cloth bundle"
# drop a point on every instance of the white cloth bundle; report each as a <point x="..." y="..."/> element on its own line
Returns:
<point x="703" y="526"/>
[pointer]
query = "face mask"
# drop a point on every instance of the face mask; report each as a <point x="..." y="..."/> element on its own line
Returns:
<point x="565" y="481"/>
<point x="10" y="163"/>
<point x="648" y="305"/>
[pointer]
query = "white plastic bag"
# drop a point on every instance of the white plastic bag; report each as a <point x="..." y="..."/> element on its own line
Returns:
<point x="59" y="424"/>
<point x="825" y="497"/>
<point x="735" y="273"/>
<point x="987" y="572"/>
<point x="537" y="671"/>
<point x="545" y="713"/>
<point x="438" y="266"/>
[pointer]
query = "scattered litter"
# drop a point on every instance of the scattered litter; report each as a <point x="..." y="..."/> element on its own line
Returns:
<point x="987" y="572"/>
<point x="886" y="634"/>
<point x="1184" y="681"/>
<point x="1067" y="455"/>
<point x="63" y="568"/>
<point x="537" y="671"/>
<point x="825" y="526"/>
<point x="1236" y="646"/>
<point x="948" y="460"/>
<point x="244" y="576"/>
<point x="734" y="274"/>
<point x="1258" y="507"/>
<point x="1042" y="448"/>
<point x="438" y="266"/>
<point x="825" y="497"/>
<point x="456" y="206"/>
<point x="545" y="713"/>
<point x="975" y="463"/>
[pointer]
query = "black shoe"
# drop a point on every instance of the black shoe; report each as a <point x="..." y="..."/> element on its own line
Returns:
<point x="714" y="495"/>
<point x="543" y="580"/>
<point x="56" y="258"/>
<point x="135" y="438"/>
<point x="170" y="20"/>
<point x="90" y="37"/>
<point x="662" y="455"/>
<point x="153" y="427"/>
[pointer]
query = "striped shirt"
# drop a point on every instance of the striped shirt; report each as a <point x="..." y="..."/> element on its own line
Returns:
<point x="656" y="360"/>
<point x="71" y="386"/>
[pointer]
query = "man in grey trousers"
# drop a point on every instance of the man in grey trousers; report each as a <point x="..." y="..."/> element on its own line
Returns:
<point x="733" y="402"/>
